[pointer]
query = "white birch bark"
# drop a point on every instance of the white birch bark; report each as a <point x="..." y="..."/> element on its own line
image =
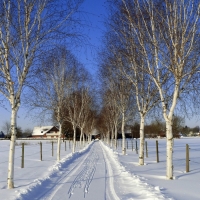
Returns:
<point x="81" y="137"/>
<point x="59" y="142"/>
<point x="112" y="136"/>
<point x="74" y="140"/>
<point x="115" y="129"/>
<point x="169" y="150"/>
<point x="141" y="153"/>
<point x="108" y="137"/>
<point x="10" y="182"/>
<point x="123" y="135"/>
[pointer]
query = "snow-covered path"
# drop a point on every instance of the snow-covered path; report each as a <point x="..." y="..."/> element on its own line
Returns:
<point x="102" y="173"/>
<point x="94" y="174"/>
<point x="81" y="179"/>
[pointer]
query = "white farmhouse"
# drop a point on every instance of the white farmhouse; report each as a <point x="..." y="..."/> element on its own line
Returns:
<point x="45" y="132"/>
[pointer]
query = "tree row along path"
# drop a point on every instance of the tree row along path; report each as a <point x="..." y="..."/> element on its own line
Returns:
<point x="96" y="174"/>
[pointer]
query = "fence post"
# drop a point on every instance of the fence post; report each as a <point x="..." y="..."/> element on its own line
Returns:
<point x="65" y="145"/>
<point x="157" y="156"/>
<point x="52" y="147"/>
<point x="187" y="158"/>
<point x="132" y="143"/>
<point x="136" y="145"/>
<point x="146" y="149"/>
<point x="22" y="162"/>
<point x="124" y="151"/>
<point x="41" y="151"/>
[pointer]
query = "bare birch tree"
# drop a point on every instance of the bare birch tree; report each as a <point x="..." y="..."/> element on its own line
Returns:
<point x="124" y="100"/>
<point x="109" y="98"/>
<point x="119" y="101"/>
<point x="91" y="124"/>
<point x="117" y="106"/>
<point x="73" y="105"/>
<point x="86" y="104"/>
<point x="55" y="82"/>
<point x="111" y="102"/>
<point x="106" y="116"/>
<point x="25" y="28"/>
<point x="131" y="64"/>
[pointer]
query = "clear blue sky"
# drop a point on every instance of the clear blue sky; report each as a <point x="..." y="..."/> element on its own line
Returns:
<point x="92" y="15"/>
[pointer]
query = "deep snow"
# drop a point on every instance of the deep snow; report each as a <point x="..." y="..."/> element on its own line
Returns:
<point x="99" y="172"/>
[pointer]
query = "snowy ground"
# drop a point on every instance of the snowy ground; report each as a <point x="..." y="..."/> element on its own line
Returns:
<point x="97" y="172"/>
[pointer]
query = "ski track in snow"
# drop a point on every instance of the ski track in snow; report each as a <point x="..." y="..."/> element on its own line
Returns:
<point x="84" y="178"/>
<point x="66" y="177"/>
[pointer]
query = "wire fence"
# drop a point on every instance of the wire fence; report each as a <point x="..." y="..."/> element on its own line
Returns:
<point x="180" y="154"/>
<point x="34" y="151"/>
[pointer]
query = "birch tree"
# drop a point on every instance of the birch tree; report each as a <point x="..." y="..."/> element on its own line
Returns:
<point x="55" y="81"/>
<point x="111" y="102"/>
<point x="124" y="101"/>
<point x="109" y="99"/>
<point x="106" y="119"/>
<point x="119" y="96"/>
<point x="117" y="106"/>
<point x="86" y="104"/>
<point x="132" y="65"/>
<point x="73" y="105"/>
<point x="91" y="124"/>
<point x="168" y="35"/>
<point x="25" y="28"/>
<point x="101" y="126"/>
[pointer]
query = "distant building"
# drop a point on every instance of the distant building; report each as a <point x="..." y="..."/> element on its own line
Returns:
<point x="95" y="134"/>
<point x="45" y="132"/>
<point x="127" y="131"/>
<point x="2" y="135"/>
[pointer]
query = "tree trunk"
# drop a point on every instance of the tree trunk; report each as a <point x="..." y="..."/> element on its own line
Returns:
<point x="141" y="155"/>
<point x="89" y="138"/>
<point x="10" y="181"/>
<point x="170" y="141"/>
<point x="108" y="138"/>
<point x="74" y="140"/>
<point x="81" y="136"/>
<point x="112" y="137"/>
<point x="83" y="139"/>
<point x="123" y="135"/>
<point x="59" y="142"/>
<point x="115" y="136"/>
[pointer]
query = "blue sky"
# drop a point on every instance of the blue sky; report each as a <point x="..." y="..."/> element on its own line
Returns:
<point x="92" y="14"/>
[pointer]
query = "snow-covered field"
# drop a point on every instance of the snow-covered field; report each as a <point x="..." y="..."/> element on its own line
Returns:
<point x="97" y="172"/>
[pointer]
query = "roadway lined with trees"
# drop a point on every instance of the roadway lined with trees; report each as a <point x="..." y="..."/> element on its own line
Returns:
<point x="149" y="66"/>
